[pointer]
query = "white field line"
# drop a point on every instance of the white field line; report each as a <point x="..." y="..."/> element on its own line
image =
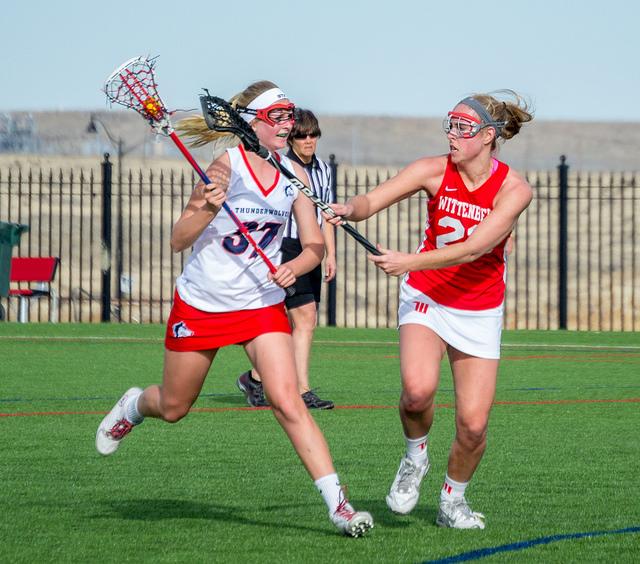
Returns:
<point x="94" y="338"/>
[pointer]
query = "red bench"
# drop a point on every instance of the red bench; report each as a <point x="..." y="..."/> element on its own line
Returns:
<point x="37" y="270"/>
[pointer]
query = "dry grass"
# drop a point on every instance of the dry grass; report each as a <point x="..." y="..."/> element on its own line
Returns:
<point x="366" y="140"/>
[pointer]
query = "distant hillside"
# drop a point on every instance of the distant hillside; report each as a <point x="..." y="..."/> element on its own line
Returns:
<point x="359" y="140"/>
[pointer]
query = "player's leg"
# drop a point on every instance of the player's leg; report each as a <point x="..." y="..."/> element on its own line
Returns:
<point x="421" y="352"/>
<point x="272" y="354"/>
<point x="303" y="313"/>
<point x="302" y="310"/>
<point x="475" y="384"/>
<point x="303" y="318"/>
<point x="183" y="376"/>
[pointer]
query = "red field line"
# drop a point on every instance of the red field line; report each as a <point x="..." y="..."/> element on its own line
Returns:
<point x="223" y="409"/>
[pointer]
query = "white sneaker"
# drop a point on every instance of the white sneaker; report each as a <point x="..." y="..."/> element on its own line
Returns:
<point x="405" y="489"/>
<point x="114" y="427"/>
<point x="458" y="515"/>
<point x="351" y="522"/>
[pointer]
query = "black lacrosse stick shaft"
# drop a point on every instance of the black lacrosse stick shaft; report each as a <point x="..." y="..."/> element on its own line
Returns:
<point x="219" y="115"/>
<point x="323" y="206"/>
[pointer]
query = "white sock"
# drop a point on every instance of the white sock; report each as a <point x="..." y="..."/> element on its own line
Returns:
<point x="131" y="410"/>
<point x="417" y="450"/>
<point x="329" y="487"/>
<point x="452" y="490"/>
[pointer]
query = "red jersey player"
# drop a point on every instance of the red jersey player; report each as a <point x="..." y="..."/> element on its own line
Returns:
<point x="452" y="293"/>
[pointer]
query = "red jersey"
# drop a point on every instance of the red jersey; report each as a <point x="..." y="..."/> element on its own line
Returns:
<point x="452" y="215"/>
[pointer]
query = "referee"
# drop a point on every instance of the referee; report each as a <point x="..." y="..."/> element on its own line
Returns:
<point x="303" y="305"/>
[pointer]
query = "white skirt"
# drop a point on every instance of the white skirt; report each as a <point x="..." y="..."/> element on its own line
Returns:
<point x="476" y="333"/>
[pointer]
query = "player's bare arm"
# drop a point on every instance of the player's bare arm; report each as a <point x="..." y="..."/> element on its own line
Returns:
<point x="329" y="235"/>
<point x="308" y="231"/>
<point x="511" y="201"/>
<point x="423" y="174"/>
<point x="203" y="205"/>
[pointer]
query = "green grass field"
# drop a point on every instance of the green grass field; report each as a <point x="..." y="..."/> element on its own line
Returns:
<point x="559" y="481"/>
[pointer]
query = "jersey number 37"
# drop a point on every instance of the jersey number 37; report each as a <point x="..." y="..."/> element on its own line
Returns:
<point x="236" y="244"/>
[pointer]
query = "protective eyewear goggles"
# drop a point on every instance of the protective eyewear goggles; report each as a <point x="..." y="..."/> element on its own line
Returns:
<point x="465" y="126"/>
<point x="274" y="114"/>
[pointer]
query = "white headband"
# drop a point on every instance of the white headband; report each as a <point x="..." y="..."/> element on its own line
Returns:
<point x="265" y="100"/>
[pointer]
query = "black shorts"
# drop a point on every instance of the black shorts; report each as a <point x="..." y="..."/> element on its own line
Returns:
<point x="308" y="285"/>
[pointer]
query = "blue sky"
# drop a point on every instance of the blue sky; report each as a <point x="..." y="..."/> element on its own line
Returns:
<point x="574" y="60"/>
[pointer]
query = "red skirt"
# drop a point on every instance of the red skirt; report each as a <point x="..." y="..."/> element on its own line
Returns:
<point x="191" y="329"/>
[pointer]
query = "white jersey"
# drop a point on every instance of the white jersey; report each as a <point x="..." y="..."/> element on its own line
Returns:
<point x="224" y="273"/>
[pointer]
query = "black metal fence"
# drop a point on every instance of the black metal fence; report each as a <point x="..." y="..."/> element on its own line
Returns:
<point x="111" y="236"/>
<point x="574" y="264"/>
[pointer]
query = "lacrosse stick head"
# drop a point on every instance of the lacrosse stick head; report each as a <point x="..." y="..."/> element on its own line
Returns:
<point x="133" y="85"/>
<point x="219" y="115"/>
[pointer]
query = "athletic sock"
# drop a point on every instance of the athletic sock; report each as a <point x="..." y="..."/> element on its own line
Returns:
<point x="253" y="379"/>
<point x="452" y="490"/>
<point x="131" y="410"/>
<point x="417" y="450"/>
<point x="329" y="488"/>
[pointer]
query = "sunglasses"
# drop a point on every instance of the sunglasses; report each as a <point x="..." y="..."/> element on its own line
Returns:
<point x="301" y="136"/>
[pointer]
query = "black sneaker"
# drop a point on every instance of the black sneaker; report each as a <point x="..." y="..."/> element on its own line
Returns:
<point x="252" y="390"/>
<point x="312" y="401"/>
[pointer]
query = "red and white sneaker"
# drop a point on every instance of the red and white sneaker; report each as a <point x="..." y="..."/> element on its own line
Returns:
<point x="115" y="426"/>
<point x="351" y="522"/>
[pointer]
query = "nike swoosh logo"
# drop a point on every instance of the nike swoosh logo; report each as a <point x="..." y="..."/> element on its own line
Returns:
<point x="450" y="189"/>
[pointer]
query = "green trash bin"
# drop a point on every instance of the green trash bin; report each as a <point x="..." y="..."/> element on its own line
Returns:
<point x="9" y="237"/>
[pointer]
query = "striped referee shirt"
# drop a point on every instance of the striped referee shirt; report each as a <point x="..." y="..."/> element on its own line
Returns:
<point x="320" y="177"/>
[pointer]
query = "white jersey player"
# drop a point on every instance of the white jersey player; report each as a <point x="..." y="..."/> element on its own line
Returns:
<point x="221" y="254"/>
<point x="226" y="295"/>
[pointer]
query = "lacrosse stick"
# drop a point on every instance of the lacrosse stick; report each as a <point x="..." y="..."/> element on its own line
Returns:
<point x="221" y="116"/>
<point x="133" y="85"/>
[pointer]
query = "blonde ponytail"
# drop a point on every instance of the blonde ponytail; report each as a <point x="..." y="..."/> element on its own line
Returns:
<point x="195" y="129"/>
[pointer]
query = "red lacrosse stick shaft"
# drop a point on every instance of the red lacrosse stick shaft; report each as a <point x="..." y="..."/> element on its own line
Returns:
<point x="153" y="110"/>
<point x="158" y="112"/>
<point x="241" y="226"/>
